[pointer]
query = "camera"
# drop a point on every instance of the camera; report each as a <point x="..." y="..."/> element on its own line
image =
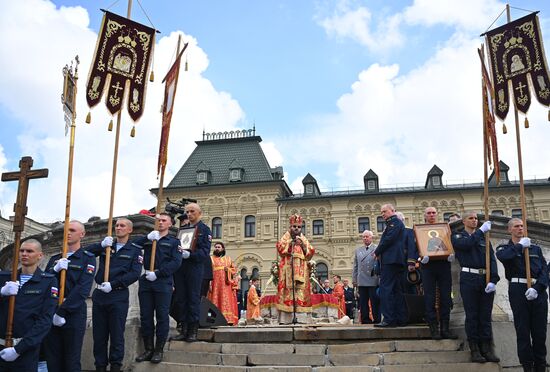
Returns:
<point x="178" y="207"/>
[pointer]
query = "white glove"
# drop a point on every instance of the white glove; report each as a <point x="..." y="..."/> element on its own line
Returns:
<point x="107" y="242"/>
<point x="61" y="264"/>
<point x="491" y="287"/>
<point x="425" y="260"/>
<point x="486" y="226"/>
<point x="58" y="321"/>
<point x="531" y="294"/>
<point x="10" y="289"/>
<point x="9" y="354"/>
<point x="150" y="276"/>
<point x="105" y="287"/>
<point x="153" y="235"/>
<point x="451" y="258"/>
<point x="185" y="254"/>
<point x="525" y="242"/>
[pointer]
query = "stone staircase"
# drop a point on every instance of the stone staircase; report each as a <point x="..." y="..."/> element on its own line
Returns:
<point x="316" y="349"/>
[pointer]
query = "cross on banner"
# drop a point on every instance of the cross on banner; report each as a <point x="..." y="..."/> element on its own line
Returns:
<point x="23" y="176"/>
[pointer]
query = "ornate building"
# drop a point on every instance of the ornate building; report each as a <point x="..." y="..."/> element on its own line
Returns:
<point x="247" y="204"/>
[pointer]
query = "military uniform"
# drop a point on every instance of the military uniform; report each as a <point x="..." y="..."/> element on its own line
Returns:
<point x="109" y="310"/>
<point x="367" y="281"/>
<point x="392" y="258"/>
<point x="478" y="305"/>
<point x="155" y="296"/>
<point x="63" y="345"/>
<point x="188" y="281"/>
<point x="34" y="308"/>
<point x="530" y="317"/>
<point x="349" y="297"/>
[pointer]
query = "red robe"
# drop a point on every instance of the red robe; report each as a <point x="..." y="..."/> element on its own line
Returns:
<point x="252" y="304"/>
<point x="221" y="292"/>
<point x="338" y="292"/>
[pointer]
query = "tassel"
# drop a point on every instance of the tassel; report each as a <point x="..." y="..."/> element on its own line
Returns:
<point x="504" y="130"/>
<point x="133" y="132"/>
<point x="110" y="128"/>
<point x="526" y="124"/>
<point x="89" y="117"/>
<point x="152" y="76"/>
<point x="187" y="69"/>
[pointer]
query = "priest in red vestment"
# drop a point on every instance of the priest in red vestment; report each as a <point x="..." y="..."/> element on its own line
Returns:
<point x="338" y="292"/>
<point x="221" y="291"/>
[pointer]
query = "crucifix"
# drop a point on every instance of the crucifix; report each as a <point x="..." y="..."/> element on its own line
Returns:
<point x="20" y="208"/>
<point x="117" y="87"/>
<point x="520" y="88"/>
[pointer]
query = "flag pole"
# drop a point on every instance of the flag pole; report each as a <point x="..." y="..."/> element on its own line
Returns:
<point x="65" y="248"/>
<point x="161" y="185"/>
<point x="113" y="179"/>
<point x="484" y="102"/>
<point x="521" y="183"/>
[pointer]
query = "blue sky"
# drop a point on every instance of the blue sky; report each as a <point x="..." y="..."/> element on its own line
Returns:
<point x="335" y="88"/>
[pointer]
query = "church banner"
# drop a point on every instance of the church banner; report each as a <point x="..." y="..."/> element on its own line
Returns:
<point x="121" y="60"/>
<point x="516" y="55"/>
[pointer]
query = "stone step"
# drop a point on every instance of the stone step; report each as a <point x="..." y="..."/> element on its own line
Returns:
<point x="447" y="367"/>
<point x="411" y="357"/>
<point x="287" y="359"/>
<point x="205" y="358"/>
<point x="178" y="367"/>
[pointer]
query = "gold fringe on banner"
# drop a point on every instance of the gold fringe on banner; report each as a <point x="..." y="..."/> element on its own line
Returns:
<point x="526" y="124"/>
<point x="152" y="76"/>
<point x="133" y="132"/>
<point x="89" y="117"/>
<point x="504" y="130"/>
<point x="110" y="127"/>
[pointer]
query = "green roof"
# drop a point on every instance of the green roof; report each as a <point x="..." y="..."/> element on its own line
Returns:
<point x="220" y="156"/>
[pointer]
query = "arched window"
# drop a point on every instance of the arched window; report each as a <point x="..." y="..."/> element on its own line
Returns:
<point x="322" y="273"/>
<point x="363" y="223"/>
<point x="256" y="274"/>
<point x="249" y="226"/>
<point x="216" y="227"/>
<point x="244" y="280"/>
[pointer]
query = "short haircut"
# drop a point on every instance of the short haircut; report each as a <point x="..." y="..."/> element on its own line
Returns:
<point x="513" y="221"/>
<point x="368" y="232"/>
<point x="128" y="222"/>
<point x="220" y="243"/>
<point x="466" y="214"/>
<point x="389" y="206"/>
<point x="194" y="205"/>
<point x="80" y="224"/>
<point x="34" y="242"/>
<point x="338" y="276"/>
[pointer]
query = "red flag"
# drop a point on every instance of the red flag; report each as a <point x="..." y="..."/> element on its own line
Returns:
<point x="171" y="83"/>
<point x="490" y="137"/>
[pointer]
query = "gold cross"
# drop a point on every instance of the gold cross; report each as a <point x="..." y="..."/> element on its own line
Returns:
<point x="117" y="87"/>
<point x="520" y="88"/>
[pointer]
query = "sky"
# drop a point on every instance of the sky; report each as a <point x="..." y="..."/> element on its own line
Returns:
<point x="334" y="88"/>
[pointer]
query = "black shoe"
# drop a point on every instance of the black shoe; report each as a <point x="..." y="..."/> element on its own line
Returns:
<point x="540" y="367"/>
<point x="434" y="331"/>
<point x="101" y="369"/>
<point x="159" y="352"/>
<point x="383" y="324"/>
<point x="446" y="333"/>
<point x="528" y="367"/>
<point x="487" y="350"/>
<point x="192" y="332"/>
<point x="475" y="354"/>
<point x="115" y="368"/>
<point x="182" y="333"/>
<point x="148" y="352"/>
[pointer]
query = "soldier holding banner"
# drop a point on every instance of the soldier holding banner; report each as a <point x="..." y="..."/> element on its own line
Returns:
<point x="111" y="299"/>
<point x="63" y="344"/>
<point x="36" y="294"/>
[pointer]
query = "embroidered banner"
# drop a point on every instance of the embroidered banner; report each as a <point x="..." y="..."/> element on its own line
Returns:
<point x="516" y="51"/>
<point x="122" y="58"/>
<point x="171" y="84"/>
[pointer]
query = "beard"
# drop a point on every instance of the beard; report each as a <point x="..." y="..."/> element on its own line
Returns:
<point x="219" y="253"/>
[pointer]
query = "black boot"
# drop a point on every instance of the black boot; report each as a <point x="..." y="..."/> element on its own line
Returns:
<point x="528" y="367"/>
<point x="148" y="352"/>
<point x="192" y="332"/>
<point x="182" y="333"/>
<point x="115" y="368"/>
<point x="159" y="352"/>
<point x="474" y="351"/>
<point x="487" y="350"/>
<point x="446" y="333"/>
<point x="434" y="331"/>
<point x="101" y="369"/>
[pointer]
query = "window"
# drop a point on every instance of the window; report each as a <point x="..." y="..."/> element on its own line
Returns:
<point x="304" y="227"/>
<point x="363" y="223"/>
<point x="516" y="213"/>
<point x="322" y="273"/>
<point x="249" y="226"/>
<point x="216" y="227"/>
<point x="498" y="212"/>
<point x="202" y="177"/>
<point x="318" y="227"/>
<point x="436" y="181"/>
<point x="371" y="185"/>
<point x="235" y="175"/>
<point x="380" y="224"/>
<point x="309" y="189"/>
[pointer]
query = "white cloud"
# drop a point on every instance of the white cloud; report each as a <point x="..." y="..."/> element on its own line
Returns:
<point x="358" y="24"/>
<point x="273" y="155"/>
<point x="31" y="91"/>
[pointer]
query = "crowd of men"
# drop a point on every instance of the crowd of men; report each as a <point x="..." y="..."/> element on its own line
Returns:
<point x="174" y="280"/>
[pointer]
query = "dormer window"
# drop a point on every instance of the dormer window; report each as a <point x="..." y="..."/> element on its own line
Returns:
<point x="235" y="175"/>
<point x="436" y="180"/>
<point x="202" y="177"/>
<point x="371" y="185"/>
<point x="309" y="189"/>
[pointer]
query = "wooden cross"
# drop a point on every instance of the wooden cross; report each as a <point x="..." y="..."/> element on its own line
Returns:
<point x="20" y="209"/>
<point x="25" y="173"/>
